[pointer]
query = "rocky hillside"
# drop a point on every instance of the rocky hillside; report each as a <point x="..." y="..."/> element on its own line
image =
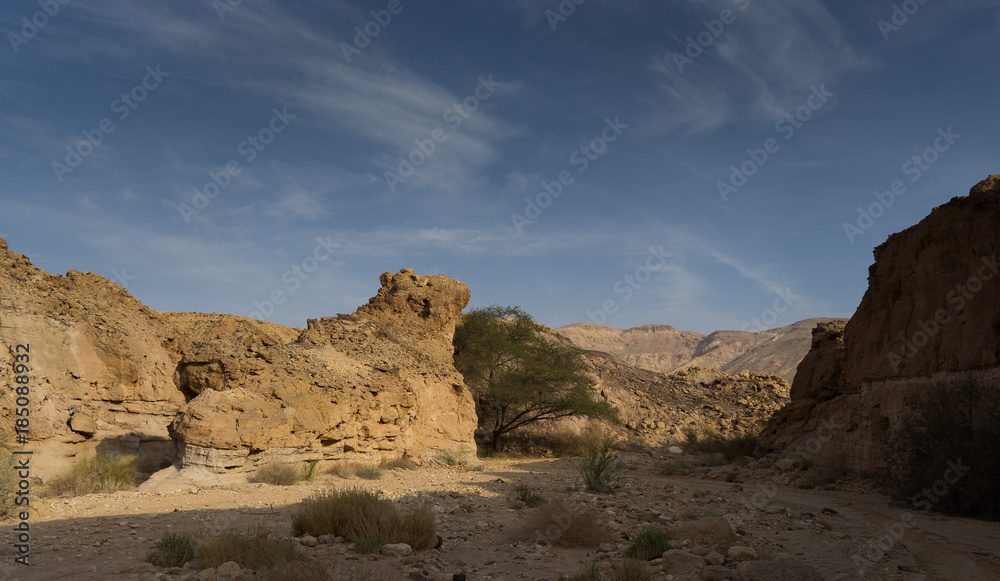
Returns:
<point x="109" y="373"/>
<point x="930" y="321"/>
<point x="658" y="405"/>
<point x="665" y="349"/>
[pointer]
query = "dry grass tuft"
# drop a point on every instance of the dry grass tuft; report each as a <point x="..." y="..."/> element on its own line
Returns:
<point x="104" y="472"/>
<point x="256" y="549"/>
<point x="356" y="513"/>
<point x="278" y="474"/>
<point x="562" y="525"/>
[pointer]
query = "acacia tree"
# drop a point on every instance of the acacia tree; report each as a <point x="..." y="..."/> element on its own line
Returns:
<point x="519" y="374"/>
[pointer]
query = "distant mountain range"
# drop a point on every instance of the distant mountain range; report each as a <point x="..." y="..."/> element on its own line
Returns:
<point x="665" y="349"/>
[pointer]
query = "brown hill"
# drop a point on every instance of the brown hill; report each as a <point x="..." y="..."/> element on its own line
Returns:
<point x="665" y="349"/>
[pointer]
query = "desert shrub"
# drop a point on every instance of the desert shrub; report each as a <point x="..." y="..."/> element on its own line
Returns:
<point x="103" y="472"/>
<point x="562" y="525"/>
<point x="369" y="472"/>
<point x="309" y="469"/>
<point x="356" y="513"/>
<point x="345" y="469"/>
<point x="450" y="458"/>
<point x="630" y="570"/>
<point x="590" y="573"/>
<point x="600" y="466"/>
<point x="173" y="550"/>
<point x="528" y="496"/>
<point x="568" y="442"/>
<point x="951" y="428"/>
<point x="710" y="441"/>
<point x="400" y="462"/>
<point x="648" y="545"/>
<point x="278" y="474"/>
<point x="255" y="549"/>
<point x="366" y="546"/>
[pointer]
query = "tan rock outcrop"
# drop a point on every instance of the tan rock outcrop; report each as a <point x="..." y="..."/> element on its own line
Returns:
<point x="109" y="373"/>
<point x="930" y="320"/>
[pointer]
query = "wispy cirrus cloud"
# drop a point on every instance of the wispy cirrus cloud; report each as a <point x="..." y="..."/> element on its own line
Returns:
<point x="758" y="68"/>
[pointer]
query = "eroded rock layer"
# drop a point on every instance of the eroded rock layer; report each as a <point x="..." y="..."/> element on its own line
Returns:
<point x="109" y="373"/>
<point x="930" y="320"/>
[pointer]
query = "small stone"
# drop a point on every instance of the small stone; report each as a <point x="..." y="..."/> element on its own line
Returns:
<point x="397" y="550"/>
<point x="309" y="541"/>
<point x="738" y="553"/>
<point x="327" y="539"/>
<point x="716" y="573"/>
<point x="675" y="450"/>
<point x="785" y="465"/>
<point x="228" y="570"/>
<point x="714" y="558"/>
<point x="676" y="561"/>
<point x="606" y="548"/>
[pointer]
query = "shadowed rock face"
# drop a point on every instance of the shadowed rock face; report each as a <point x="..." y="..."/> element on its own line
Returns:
<point x="930" y="319"/>
<point x="109" y="373"/>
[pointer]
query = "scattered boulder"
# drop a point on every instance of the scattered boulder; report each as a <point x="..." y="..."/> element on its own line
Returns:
<point x="397" y="550"/>
<point x="677" y="562"/>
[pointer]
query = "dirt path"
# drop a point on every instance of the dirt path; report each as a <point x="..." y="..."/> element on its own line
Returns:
<point x="488" y="534"/>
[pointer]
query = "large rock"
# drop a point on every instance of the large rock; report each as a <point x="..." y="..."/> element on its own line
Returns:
<point x="929" y="321"/>
<point x="221" y="391"/>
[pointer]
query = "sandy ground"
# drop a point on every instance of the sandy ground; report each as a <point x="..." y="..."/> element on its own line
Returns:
<point x="487" y="533"/>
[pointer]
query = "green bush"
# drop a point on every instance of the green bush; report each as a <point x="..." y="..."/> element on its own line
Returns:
<point x="104" y="472"/>
<point x="802" y="463"/>
<point x="173" y="550"/>
<point x="356" y="513"/>
<point x="365" y="546"/>
<point x="590" y="573"/>
<point x="278" y="474"/>
<point x="309" y="469"/>
<point x="648" y="545"/>
<point x="255" y="549"/>
<point x="601" y="466"/>
<point x="710" y="441"/>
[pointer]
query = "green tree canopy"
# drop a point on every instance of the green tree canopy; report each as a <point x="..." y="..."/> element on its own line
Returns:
<point x="519" y="374"/>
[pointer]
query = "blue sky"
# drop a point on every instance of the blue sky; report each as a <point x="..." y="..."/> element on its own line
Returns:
<point x="213" y="156"/>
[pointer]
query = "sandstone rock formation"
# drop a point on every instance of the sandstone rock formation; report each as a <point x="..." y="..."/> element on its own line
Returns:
<point x="109" y="373"/>
<point x="665" y="349"/>
<point x="930" y="320"/>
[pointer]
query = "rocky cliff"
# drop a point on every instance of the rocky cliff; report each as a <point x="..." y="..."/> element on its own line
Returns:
<point x="929" y="322"/>
<point x="665" y="349"/>
<point x="109" y="373"/>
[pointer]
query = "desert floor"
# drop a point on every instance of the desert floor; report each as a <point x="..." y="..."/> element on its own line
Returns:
<point x="488" y="534"/>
